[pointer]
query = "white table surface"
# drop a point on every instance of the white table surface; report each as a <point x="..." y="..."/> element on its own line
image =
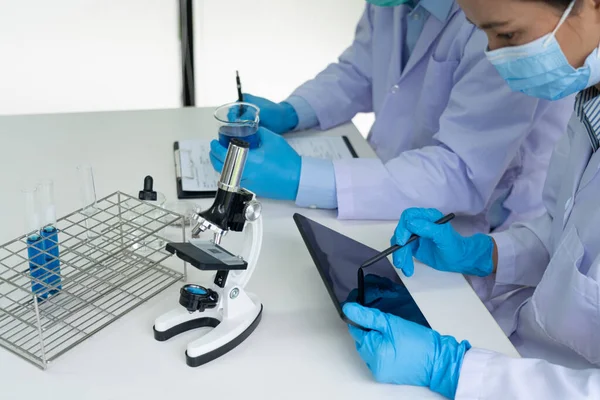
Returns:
<point x="301" y="348"/>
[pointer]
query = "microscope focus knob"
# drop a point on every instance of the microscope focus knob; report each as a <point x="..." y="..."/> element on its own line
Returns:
<point x="252" y="210"/>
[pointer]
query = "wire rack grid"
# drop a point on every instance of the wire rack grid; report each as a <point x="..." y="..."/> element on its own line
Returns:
<point x="98" y="264"/>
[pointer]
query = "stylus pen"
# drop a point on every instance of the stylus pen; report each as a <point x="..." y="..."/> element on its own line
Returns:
<point x="361" y="287"/>
<point x="239" y="90"/>
<point x="396" y="247"/>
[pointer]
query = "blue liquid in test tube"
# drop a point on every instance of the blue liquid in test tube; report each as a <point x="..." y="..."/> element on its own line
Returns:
<point x="35" y="244"/>
<point x="49" y="233"/>
<point x="52" y="275"/>
<point x="37" y="259"/>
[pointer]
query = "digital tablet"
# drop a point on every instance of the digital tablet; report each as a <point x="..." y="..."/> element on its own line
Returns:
<point x="338" y="258"/>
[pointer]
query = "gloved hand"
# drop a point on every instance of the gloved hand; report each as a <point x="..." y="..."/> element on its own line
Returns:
<point x="279" y="118"/>
<point x="404" y="353"/>
<point x="378" y="288"/>
<point x="389" y="297"/>
<point x="440" y="246"/>
<point x="272" y="170"/>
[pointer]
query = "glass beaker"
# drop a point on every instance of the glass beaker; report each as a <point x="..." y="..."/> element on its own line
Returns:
<point x="146" y="221"/>
<point x="187" y="210"/>
<point x="238" y="120"/>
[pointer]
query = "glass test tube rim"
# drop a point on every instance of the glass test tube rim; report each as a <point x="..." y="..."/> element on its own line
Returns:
<point x="32" y="216"/>
<point x="47" y="204"/>
<point x="86" y="177"/>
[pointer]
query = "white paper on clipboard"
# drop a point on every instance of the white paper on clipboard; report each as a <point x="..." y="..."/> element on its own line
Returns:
<point x="198" y="174"/>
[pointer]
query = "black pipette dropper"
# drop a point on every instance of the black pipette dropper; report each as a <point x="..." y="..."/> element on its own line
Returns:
<point x="148" y="192"/>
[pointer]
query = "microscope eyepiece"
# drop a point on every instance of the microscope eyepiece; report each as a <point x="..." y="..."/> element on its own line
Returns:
<point x="240" y="143"/>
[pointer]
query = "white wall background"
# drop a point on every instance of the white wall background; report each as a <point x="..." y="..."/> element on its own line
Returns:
<point x="88" y="55"/>
<point x="275" y="44"/>
<point x="97" y="55"/>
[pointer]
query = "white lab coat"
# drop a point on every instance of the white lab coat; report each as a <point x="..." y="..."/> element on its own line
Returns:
<point x="546" y="294"/>
<point x="449" y="133"/>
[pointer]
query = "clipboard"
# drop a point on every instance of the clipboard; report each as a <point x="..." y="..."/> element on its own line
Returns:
<point x="183" y="194"/>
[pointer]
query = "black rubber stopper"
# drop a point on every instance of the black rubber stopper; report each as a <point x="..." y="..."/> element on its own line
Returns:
<point x="148" y="193"/>
<point x="240" y="143"/>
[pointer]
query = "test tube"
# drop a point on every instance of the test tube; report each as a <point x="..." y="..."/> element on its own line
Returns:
<point x="87" y="188"/>
<point x="35" y="244"/>
<point x="87" y="191"/>
<point x="49" y="234"/>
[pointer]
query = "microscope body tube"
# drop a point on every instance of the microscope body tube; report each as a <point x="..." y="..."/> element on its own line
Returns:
<point x="233" y="168"/>
<point x="227" y="210"/>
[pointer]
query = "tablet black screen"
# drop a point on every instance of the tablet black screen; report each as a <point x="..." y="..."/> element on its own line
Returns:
<point x="338" y="258"/>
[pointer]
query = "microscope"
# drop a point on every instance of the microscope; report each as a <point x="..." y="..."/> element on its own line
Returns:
<point x="226" y="307"/>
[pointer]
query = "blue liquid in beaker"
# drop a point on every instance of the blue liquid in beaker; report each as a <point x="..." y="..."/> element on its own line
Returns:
<point x="248" y="134"/>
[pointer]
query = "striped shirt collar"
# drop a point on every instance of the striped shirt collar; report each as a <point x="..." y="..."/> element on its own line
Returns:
<point x="587" y="109"/>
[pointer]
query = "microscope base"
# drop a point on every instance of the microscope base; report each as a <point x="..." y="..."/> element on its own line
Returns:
<point x="197" y="323"/>
<point x="232" y="323"/>
<point x="203" y="358"/>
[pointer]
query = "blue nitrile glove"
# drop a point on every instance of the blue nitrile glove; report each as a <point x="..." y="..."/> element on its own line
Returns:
<point x="404" y="353"/>
<point x="272" y="170"/>
<point x="279" y="118"/>
<point x="388" y="296"/>
<point x="379" y="288"/>
<point x="440" y="246"/>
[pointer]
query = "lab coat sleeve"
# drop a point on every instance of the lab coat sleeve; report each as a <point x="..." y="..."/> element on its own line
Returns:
<point x="523" y="255"/>
<point x="317" y="184"/>
<point x="486" y="375"/>
<point x="480" y="132"/>
<point x="524" y="248"/>
<point x="523" y="252"/>
<point x="343" y="89"/>
<point x="307" y="118"/>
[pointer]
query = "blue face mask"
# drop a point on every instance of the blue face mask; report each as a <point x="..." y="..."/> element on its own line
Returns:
<point x="387" y="3"/>
<point x="540" y="68"/>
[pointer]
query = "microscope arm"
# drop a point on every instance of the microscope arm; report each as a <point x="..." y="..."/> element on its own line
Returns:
<point x="254" y="241"/>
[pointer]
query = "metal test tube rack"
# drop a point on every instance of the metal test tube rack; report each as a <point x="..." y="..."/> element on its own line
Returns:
<point x="110" y="263"/>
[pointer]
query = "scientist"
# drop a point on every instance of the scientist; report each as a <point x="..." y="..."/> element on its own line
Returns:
<point x="541" y="278"/>
<point x="448" y="133"/>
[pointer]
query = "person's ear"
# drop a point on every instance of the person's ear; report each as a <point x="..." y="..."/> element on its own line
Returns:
<point x="592" y="6"/>
<point x="588" y="5"/>
<point x="588" y="12"/>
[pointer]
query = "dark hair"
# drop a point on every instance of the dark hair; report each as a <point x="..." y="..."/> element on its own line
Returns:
<point x="559" y="4"/>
